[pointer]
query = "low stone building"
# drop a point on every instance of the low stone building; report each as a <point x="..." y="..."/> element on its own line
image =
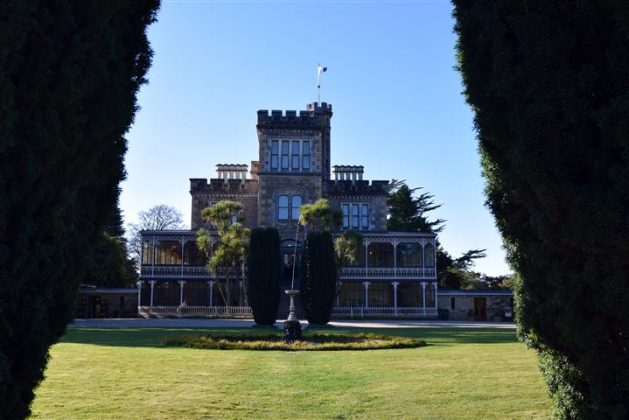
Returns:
<point x="107" y="302"/>
<point x="476" y="305"/>
<point x="395" y="276"/>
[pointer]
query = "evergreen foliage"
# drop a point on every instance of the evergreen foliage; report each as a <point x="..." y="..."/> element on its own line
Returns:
<point x="548" y="83"/>
<point x="226" y="257"/>
<point x="110" y="265"/>
<point x="318" y="277"/>
<point x="70" y="74"/>
<point x="407" y="212"/>
<point x="320" y="215"/>
<point x="264" y="274"/>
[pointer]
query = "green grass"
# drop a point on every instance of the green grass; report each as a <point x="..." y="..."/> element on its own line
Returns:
<point x="129" y="373"/>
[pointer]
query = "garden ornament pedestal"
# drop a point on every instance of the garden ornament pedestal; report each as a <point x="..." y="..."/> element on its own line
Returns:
<point x="292" y="327"/>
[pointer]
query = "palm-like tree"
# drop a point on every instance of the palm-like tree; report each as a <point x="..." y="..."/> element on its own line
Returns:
<point x="227" y="255"/>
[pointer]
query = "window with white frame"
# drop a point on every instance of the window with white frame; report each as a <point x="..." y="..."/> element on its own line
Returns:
<point x="285" y="147"/>
<point x="290" y="155"/>
<point x="274" y="155"/>
<point x="282" y="207"/>
<point x="355" y="216"/>
<point x="305" y="156"/>
<point x="288" y="207"/>
<point x="295" y="205"/>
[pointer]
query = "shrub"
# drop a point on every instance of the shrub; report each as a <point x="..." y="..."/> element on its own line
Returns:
<point x="264" y="273"/>
<point x="318" y="277"/>
<point x="548" y="83"/>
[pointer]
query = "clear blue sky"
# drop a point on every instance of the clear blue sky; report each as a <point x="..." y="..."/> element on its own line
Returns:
<point x="398" y="108"/>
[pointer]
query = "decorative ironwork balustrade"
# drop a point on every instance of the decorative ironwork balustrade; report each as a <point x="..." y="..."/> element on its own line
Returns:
<point x="400" y="273"/>
<point x="383" y="312"/>
<point x="195" y="311"/>
<point x="182" y="272"/>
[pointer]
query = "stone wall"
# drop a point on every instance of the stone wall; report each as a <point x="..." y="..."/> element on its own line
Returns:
<point x="374" y="193"/>
<point x="272" y="186"/>
<point x="205" y="194"/>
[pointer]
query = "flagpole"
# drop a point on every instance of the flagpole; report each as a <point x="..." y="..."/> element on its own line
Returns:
<point x="320" y="69"/>
<point x="318" y="83"/>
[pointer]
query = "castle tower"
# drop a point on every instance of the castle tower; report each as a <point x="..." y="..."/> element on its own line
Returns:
<point x="294" y="163"/>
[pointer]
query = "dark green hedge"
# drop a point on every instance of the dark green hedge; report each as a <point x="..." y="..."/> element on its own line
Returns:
<point x="318" y="277"/>
<point x="264" y="274"/>
<point x="549" y="83"/>
<point x="69" y="74"/>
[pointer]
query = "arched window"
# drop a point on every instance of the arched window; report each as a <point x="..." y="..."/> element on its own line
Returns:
<point x="429" y="255"/>
<point x="295" y="205"/>
<point x="282" y="207"/>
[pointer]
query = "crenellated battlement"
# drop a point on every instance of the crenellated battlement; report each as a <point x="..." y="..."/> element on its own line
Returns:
<point x="216" y="185"/>
<point x="345" y="187"/>
<point x="316" y="114"/>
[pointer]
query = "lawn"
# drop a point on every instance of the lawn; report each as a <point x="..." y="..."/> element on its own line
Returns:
<point x="128" y="373"/>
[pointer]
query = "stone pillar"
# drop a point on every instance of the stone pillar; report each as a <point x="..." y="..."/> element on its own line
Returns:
<point x="152" y="288"/>
<point x="434" y="288"/>
<point x="182" y="283"/>
<point x="366" y="284"/>
<point x="210" y="285"/>
<point x="423" y="283"/>
<point x="140" y="283"/>
<point x="395" y="285"/>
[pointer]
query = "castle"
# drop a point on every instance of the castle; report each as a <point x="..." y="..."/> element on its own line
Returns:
<point x="394" y="276"/>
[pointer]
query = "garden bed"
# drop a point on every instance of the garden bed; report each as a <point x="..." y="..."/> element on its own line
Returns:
<point x="314" y="342"/>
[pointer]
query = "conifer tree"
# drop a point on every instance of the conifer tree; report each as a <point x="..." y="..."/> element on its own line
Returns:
<point x="70" y="72"/>
<point x="264" y="274"/>
<point x="318" y="281"/>
<point x="548" y="82"/>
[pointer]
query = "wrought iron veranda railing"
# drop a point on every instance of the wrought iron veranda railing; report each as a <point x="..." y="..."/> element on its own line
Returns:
<point x="185" y="271"/>
<point x="185" y="311"/>
<point x="402" y="273"/>
<point x="383" y="312"/>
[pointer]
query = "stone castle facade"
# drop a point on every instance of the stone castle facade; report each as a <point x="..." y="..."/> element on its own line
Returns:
<point x="395" y="276"/>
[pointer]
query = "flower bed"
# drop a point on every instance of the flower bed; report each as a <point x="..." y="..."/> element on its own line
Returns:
<point x="314" y="342"/>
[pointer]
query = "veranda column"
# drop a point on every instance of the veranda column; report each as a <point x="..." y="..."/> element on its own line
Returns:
<point x="210" y="285"/>
<point x="366" y="284"/>
<point x="182" y="283"/>
<point x="434" y="288"/>
<point x="152" y="288"/>
<point x="241" y="294"/>
<point x="394" y="258"/>
<point x="424" y="297"/>
<point x="140" y="283"/>
<point x="395" y="285"/>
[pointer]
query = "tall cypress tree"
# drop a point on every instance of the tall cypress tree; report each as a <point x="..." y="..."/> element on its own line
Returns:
<point x="264" y="274"/>
<point x="548" y="81"/>
<point x="318" y="277"/>
<point x="71" y="70"/>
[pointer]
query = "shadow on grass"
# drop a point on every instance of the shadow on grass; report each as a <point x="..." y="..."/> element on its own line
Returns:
<point x="154" y="337"/>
